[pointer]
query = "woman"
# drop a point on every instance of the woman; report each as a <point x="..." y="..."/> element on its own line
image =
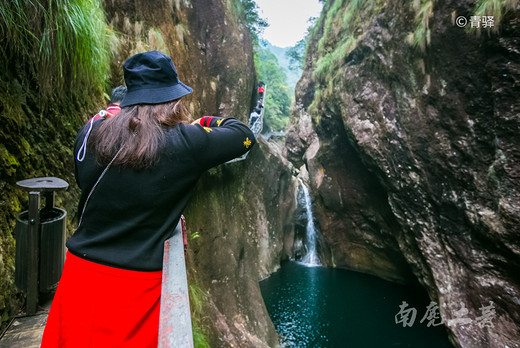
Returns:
<point x="109" y="293"/>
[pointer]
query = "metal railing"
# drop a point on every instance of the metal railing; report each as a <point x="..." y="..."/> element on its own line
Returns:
<point x="258" y="125"/>
<point x="269" y="135"/>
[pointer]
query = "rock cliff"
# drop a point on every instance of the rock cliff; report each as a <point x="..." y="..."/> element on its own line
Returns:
<point x="408" y="127"/>
<point x="242" y="211"/>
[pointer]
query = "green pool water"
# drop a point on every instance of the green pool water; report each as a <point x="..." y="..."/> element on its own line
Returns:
<point x="324" y="307"/>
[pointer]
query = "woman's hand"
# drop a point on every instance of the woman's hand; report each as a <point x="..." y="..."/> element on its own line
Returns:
<point x="197" y="121"/>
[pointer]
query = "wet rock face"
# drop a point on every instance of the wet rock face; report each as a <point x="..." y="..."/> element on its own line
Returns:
<point x="243" y="214"/>
<point x="419" y="156"/>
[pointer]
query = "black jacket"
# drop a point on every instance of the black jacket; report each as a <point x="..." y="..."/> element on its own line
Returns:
<point x="131" y="213"/>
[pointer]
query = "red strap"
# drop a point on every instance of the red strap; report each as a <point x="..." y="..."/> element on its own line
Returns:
<point x="208" y="120"/>
<point x="205" y="121"/>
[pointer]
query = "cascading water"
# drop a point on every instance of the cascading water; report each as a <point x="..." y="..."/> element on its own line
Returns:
<point x="311" y="257"/>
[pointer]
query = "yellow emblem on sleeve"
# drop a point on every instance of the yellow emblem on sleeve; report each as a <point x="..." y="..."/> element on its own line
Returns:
<point x="219" y="122"/>
<point x="207" y="129"/>
<point x="247" y="143"/>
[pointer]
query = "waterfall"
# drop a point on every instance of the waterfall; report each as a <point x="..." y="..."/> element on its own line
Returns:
<point x="311" y="256"/>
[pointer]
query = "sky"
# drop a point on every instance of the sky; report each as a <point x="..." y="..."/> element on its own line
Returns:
<point x="287" y="19"/>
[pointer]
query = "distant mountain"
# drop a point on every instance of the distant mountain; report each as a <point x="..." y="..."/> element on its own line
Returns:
<point x="283" y="60"/>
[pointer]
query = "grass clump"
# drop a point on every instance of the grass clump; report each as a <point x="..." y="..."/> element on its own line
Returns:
<point x="62" y="43"/>
<point x="422" y="34"/>
<point x="338" y="38"/>
<point x="332" y="60"/>
<point x="197" y="298"/>
<point x="495" y="8"/>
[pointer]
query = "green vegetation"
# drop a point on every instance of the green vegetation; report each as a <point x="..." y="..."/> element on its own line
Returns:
<point x="296" y="55"/>
<point x="63" y="43"/>
<point x="422" y="35"/>
<point x="332" y="60"/>
<point x="495" y="8"/>
<point x="197" y="299"/>
<point x="293" y="74"/>
<point x="254" y="22"/>
<point x="54" y="61"/>
<point x="34" y="141"/>
<point x="277" y="100"/>
<point x="424" y="12"/>
<point x="338" y="38"/>
<point x="334" y="36"/>
<point x="197" y="296"/>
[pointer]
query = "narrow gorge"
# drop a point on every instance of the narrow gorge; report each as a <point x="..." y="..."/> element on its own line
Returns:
<point x="404" y="129"/>
<point x="407" y="125"/>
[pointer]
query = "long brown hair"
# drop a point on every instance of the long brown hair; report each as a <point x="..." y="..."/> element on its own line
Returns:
<point x="138" y="131"/>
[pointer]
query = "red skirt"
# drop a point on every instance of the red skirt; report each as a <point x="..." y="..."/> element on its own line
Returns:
<point x="101" y="306"/>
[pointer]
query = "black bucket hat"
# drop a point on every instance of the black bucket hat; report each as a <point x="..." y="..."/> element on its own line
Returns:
<point x="151" y="78"/>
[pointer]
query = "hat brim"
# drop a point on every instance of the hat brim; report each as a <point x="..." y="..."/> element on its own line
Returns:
<point x="155" y="95"/>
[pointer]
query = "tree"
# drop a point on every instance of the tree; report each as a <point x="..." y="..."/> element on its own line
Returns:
<point x="254" y="22"/>
<point x="296" y="55"/>
<point x="277" y="100"/>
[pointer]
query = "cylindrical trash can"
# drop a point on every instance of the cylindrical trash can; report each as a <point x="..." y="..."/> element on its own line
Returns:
<point x="52" y="248"/>
<point x="40" y="240"/>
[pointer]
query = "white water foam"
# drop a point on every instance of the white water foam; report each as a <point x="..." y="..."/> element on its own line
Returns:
<point x="311" y="258"/>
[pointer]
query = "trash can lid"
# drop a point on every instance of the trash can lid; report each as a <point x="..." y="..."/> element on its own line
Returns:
<point x="43" y="184"/>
